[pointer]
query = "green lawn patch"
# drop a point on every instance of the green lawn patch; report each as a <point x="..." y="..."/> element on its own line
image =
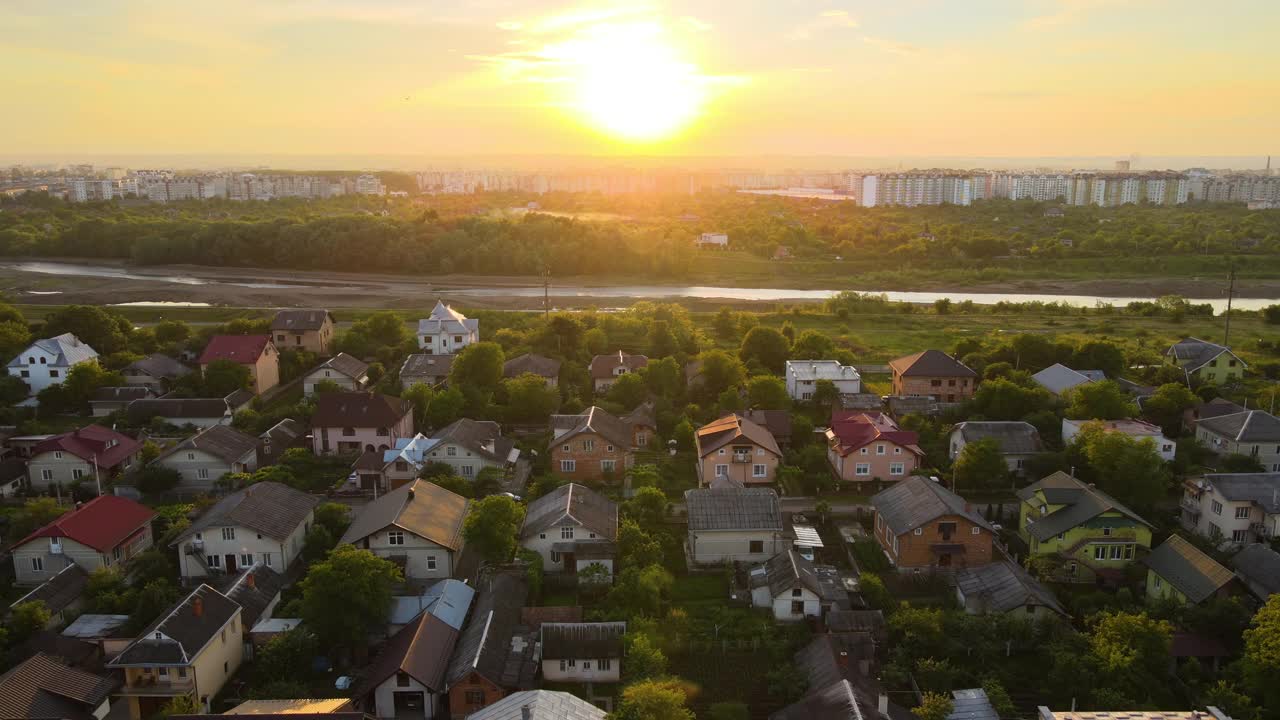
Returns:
<point x="699" y="588"/>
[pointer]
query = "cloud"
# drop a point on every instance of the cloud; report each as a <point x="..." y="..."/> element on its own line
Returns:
<point x="1069" y="11"/>
<point x="825" y="20"/>
<point x="892" y="46"/>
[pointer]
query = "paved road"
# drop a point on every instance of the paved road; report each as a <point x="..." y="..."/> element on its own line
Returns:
<point x="798" y="505"/>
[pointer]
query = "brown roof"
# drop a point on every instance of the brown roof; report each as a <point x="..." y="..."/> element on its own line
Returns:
<point x="731" y="428"/>
<point x="220" y="441"/>
<point x="41" y="687"/>
<point x="60" y="591"/>
<point x="602" y="365"/>
<point x="424" y="509"/>
<point x="592" y="420"/>
<point x="574" y="502"/>
<point x="358" y="409"/>
<point x="777" y="422"/>
<point x="931" y="363"/>
<point x="530" y="363"/>
<point x="348" y="365"/>
<point x="420" y="650"/>
<point x="270" y="508"/>
<point x="534" y="617"/>
<point x="300" y="319"/>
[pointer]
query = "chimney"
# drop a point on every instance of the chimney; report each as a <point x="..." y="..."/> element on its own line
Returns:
<point x="525" y="712"/>
<point x="410" y="496"/>
<point x="197" y="606"/>
<point x="250" y="579"/>
<point x="843" y="659"/>
<point x="882" y="706"/>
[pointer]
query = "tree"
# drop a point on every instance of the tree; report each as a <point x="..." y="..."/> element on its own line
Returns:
<point x="729" y="711"/>
<point x="637" y="548"/>
<point x="979" y="466"/>
<point x="1261" y="660"/>
<point x="720" y="371"/>
<point x="334" y="516"/>
<point x="684" y="434"/>
<point x="1129" y="470"/>
<point x="934" y="706"/>
<point x="287" y="657"/>
<point x="348" y="595"/>
<point x="1166" y="407"/>
<point x="492" y="527"/>
<point x="181" y="705"/>
<point x="169" y="332"/>
<point x="726" y="329"/>
<point x="1100" y="355"/>
<point x="28" y="618"/>
<point x="35" y="514"/>
<point x="529" y="399"/>
<point x="223" y="377"/>
<point x="154" y="479"/>
<point x="664" y="377"/>
<point x="1124" y="642"/>
<point x="767" y="392"/>
<point x="154" y="598"/>
<point x="765" y="347"/>
<point x="653" y="700"/>
<point x="479" y="365"/>
<point x="787" y="682"/>
<point x="12" y="390"/>
<point x="1237" y="463"/>
<point x="103" y="330"/>
<point x="1002" y="399"/>
<point x="1103" y="400"/>
<point x="812" y="345"/>
<point x="641" y="591"/>
<point x="825" y="395"/>
<point x="628" y="390"/>
<point x="643" y="660"/>
<point x="648" y="507"/>
<point x="661" y="341"/>
<point x="318" y="541"/>
<point x="1271" y="314"/>
<point x="14" y="338"/>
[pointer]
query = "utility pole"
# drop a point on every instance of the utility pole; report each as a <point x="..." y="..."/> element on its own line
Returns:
<point x="1231" y="291"/>
<point x="546" y="292"/>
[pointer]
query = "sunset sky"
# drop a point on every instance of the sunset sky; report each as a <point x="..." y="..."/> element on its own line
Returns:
<point x="920" y="77"/>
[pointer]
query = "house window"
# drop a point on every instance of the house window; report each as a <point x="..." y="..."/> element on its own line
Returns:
<point x="402" y="466"/>
<point x="1116" y="552"/>
<point x="586" y="664"/>
<point x="191" y="456"/>
<point x="796" y="592"/>
<point x="721" y="451"/>
<point x="26" y="373"/>
<point x="897" y="468"/>
<point x="1239" y="536"/>
<point x="555" y="556"/>
<point x="1242" y="513"/>
<point x="1216" y="507"/>
<point x="182" y="672"/>
<point x="566" y="533"/>
<point x="608" y="448"/>
<point x="1159" y="581"/>
<point x="588" y="445"/>
<point x="918" y="531"/>
<point x="228" y="533"/>
<point x="722" y="471"/>
<point x="57" y="455"/>
<point x="77" y="473"/>
<point x="863" y="451"/>
<point x="880" y="449"/>
<point x="53" y="373"/>
<point x="642" y="440"/>
<point x="431" y="562"/>
<point x="163" y="671"/>
<point x="348" y="432"/>
<point x="975" y="530"/>
<point x="797" y="607"/>
<point x="475" y="697"/>
<point x="468" y="471"/>
<point x="246" y="559"/>
<point x="1099" y="552"/>
<point x="213" y="561"/>
<point x="402" y="679"/>
<point x="451" y="451"/>
<point x="608" y="465"/>
<point x="46" y="475"/>
<point x="759" y="470"/>
<point x="897" y="451"/>
<point x="862" y="469"/>
<point x="37" y="564"/>
<point x="383" y="432"/>
<point x="1106" y="532"/>
<point x="266" y="559"/>
<point x="202" y="473"/>
<point x="755" y="547"/>
<point x="568" y="465"/>
<point x="604" y="664"/>
<point x="1128" y="552"/>
<point x="564" y="448"/>
<point x="395" y="537"/>
<point x="564" y="665"/>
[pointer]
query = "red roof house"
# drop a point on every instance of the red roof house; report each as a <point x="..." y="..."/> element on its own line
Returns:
<point x="90" y="453"/>
<point x="105" y="531"/>
<point x="867" y="445"/>
<point x="255" y="352"/>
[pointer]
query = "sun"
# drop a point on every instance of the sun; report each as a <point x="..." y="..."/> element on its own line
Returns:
<point x="630" y="82"/>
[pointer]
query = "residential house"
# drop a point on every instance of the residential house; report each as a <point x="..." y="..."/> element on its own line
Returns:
<point x="1253" y="433"/>
<point x="1060" y="379"/>
<point x="777" y="422"/>
<point x="1258" y="567"/>
<point x="107" y="633"/>
<point x="1180" y="571"/>
<point x="606" y="369"/>
<point x="794" y="589"/>
<point x="470" y="446"/>
<point x="86" y="455"/>
<point x="1235" y="508"/>
<point x="104" y="532"/>
<point x="1004" y="587"/>
<point x="1018" y="441"/>
<point x="544" y="367"/>
<point x="278" y="439"/>
<point x="255" y="352"/>
<point x="921" y="525"/>
<point x="589" y="652"/>
<point x="205" y="457"/>
<point x="715" y="241"/>
<point x="46" y="362"/>
<point x="865" y="447"/>
<point x="447" y="331"/>
<point x="13" y="474"/>
<point x="266" y="522"/>
<point x="63" y="595"/>
<point x="353" y="422"/>
<point x="1137" y="429"/>
<point x="418" y="526"/>
<point x="311" y="330"/>
<point x="734" y="524"/>
<point x="448" y="599"/>
<point x="1088" y="534"/>
<point x="495" y="654"/>
<point x="181" y="412"/>
<point x="343" y="370"/>
<point x="421" y="369"/>
<point x="156" y="371"/>
<point x="935" y="374"/>
<point x="572" y="528"/>
<point x="596" y="445"/>
<point x="1205" y="362"/>
<point x="407" y="678"/>
<point x="802" y="377"/>
<point x="540" y="705"/>
<point x="43" y="687"/>
<point x="107" y="400"/>
<point x="841" y="670"/>
<point x="257" y="591"/>
<point x="736" y="449"/>
<point x="191" y="650"/>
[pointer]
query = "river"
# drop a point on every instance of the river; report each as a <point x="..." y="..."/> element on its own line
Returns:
<point x="220" y="278"/>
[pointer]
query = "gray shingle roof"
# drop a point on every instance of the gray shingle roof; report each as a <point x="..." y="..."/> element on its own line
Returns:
<point x="1259" y="567"/>
<point x="358" y="410"/>
<point x="185" y="631"/>
<point x="542" y="705"/>
<point x="424" y="509"/>
<point x="931" y="363"/>
<point x="1248" y="426"/>
<point x="271" y="508"/>
<point x="589" y="508"/>
<point x="917" y="501"/>
<point x="493" y="643"/>
<point x="539" y="365"/>
<point x="348" y="365"/>
<point x="592" y="420"/>
<point x="1261" y="489"/>
<point x="1014" y="437"/>
<point x="220" y="441"/>
<point x="300" y="319"/>
<point x="582" y="640"/>
<point x="733" y="509"/>
<point x="834" y="702"/>
<point x="142" y="411"/>
<point x="42" y="687"/>
<point x="126" y="393"/>
<point x="1082" y="503"/>
<point x="1005" y="586"/>
<point x="1194" y="353"/>
<point x="420" y="364"/>
<point x="254" y="591"/>
<point x="971" y="704"/>
<point x="482" y="437"/>
<point x="1187" y="569"/>
<point x="783" y="572"/>
<point x="59" y="591"/>
<point x="1059" y="378"/>
<point x="158" y="365"/>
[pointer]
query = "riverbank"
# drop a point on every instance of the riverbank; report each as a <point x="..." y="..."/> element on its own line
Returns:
<point x="90" y="281"/>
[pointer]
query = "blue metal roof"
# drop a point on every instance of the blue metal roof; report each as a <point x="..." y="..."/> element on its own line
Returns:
<point x="448" y="600"/>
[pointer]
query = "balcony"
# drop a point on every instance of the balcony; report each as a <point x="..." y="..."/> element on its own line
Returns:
<point x="741" y="458"/>
<point x="149" y="686"/>
<point x="1190" y="506"/>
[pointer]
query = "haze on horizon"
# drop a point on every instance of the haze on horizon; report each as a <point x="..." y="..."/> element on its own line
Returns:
<point x="918" y="78"/>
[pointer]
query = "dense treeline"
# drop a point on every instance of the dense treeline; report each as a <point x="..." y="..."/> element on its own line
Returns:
<point x="644" y="234"/>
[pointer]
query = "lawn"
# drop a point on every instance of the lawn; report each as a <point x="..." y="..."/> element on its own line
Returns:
<point x="699" y="590"/>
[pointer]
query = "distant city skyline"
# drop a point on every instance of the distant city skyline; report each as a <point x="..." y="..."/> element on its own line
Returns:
<point x="405" y="78"/>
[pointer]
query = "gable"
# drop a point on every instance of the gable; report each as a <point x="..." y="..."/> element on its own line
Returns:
<point x="180" y="457"/>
